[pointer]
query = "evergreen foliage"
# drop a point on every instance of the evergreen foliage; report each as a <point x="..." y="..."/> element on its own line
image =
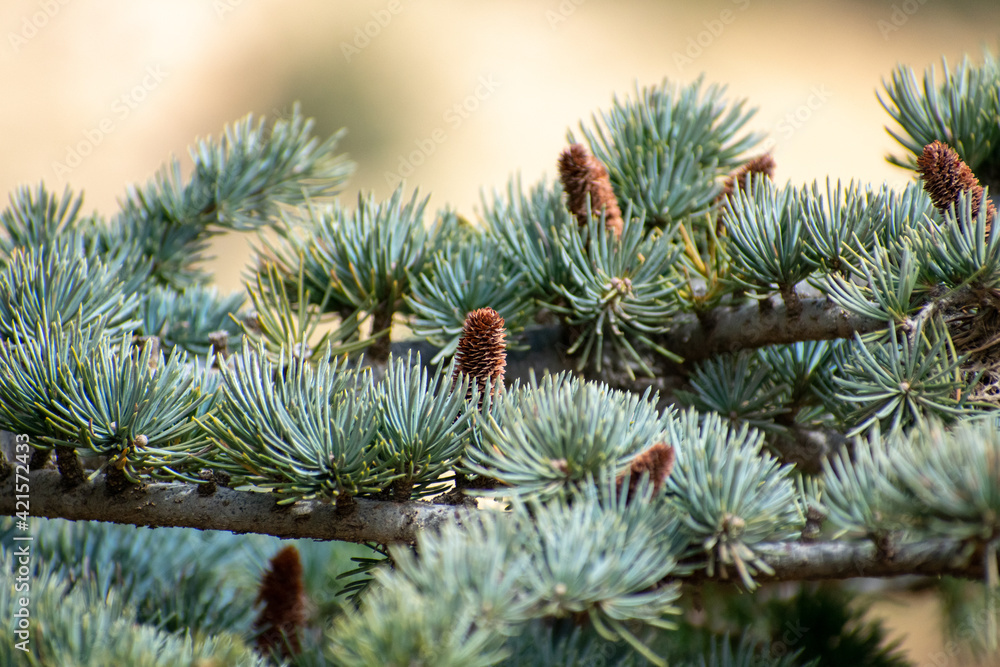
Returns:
<point x="619" y="290"/>
<point x="49" y="284"/>
<point x="666" y="148"/>
<point x="900" y="482"/>
<point x="117" y="353"/>
<point x="239" y="182"/>
<point x="187" y="320"/>
<point x="961" y="111"/>
<point x="301" y="430"/>
<point x="464" y="279"/>
<point x="107" y="594"/>
<point x="422" y="423"/>
<point x="550" y="437"/>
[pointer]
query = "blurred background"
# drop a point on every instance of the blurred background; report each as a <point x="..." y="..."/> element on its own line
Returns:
<point x="453" y="96"/>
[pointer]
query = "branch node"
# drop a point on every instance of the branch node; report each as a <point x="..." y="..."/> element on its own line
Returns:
<point x="39" y="458"/>
<point x="209" y="487"/>
<point x="345" y="505"/>
<point x="793" y="304"/>
<point x="115" y="481"/>
<point x="69" y="466"/>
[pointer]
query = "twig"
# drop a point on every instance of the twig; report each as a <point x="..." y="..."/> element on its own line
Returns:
<point x="844" y="560"/>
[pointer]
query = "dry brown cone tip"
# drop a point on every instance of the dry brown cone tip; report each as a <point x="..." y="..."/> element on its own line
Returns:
<point x="585" y="178"/>
<point x="762" y="164"/>
<point x="737" y="180"/>
<point x="946" y="176"/>
<point x="482" y="350"/>
<point x="657" y="462"/>
<point x="284" y="610"/>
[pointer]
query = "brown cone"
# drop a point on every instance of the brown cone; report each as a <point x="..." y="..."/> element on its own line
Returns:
<point x="584" y="176"/>
<point x="946" y="176"/>
<point x="482" y="349"/>
<point x="284" y="610"/>
<point x="762" y="164"/>
<point x="657" y="462"/>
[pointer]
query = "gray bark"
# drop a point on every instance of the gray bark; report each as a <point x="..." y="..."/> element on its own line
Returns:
<point x="729" y="329"/>
<point x="180" y="504"/>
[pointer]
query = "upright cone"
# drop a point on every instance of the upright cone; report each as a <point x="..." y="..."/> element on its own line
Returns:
<point x="657" y="462"/>
<point x="583" y="176"/>
<point x="482" y="350"/>
<point x="946" y="176"/>
<point x="284" y="611"/>
<point x="762" y="164"/>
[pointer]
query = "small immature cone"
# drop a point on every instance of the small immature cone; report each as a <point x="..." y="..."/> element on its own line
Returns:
<point x="482" y="349"/>
<point x="737" y="181"/>
<point x="946" y="176"/>
<point x="139" y="344"/>
<point x="762" y="164"/>
<point x="657" y="462"/>
<point x="220" y="343"/>
<point x="220" y="346"/>
<point x="284" y="610"/>
<point x="583" y="175"/>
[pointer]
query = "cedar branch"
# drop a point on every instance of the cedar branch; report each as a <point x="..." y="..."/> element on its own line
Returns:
<point x="730" y="329"/>
<point x="180" y="504"/>
<point x="720" y="330"/>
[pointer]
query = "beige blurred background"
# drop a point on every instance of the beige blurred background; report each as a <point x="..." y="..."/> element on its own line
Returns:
<point x="130" y="83"/>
